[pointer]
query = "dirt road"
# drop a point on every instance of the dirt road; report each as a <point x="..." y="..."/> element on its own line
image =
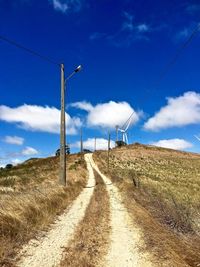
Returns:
<point x="125" y="239"/>
<point x="47" y="251"/>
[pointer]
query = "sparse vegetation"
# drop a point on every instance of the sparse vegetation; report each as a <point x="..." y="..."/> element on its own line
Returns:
<point x="34" y="200"/>
<point x="90" y="241"/>
<point x="166" y="183"/>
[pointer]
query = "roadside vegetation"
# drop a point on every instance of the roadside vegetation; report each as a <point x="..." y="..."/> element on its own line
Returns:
<point x="91" y="238"/>
<point x="30" y="198"/>
<point x="166" y="183"/>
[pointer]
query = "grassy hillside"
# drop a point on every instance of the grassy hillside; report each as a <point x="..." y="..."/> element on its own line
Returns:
<point x="30" y="198"/>
<point x="167" y="184"/>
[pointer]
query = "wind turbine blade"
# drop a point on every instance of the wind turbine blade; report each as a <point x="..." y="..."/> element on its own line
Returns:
<point x="124" y="125"/>
<point x="198" y="138"/>
<point x="129" y="122"/>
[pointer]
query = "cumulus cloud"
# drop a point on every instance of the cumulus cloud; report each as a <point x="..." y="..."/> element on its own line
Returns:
<point x="178" y="144"/>
<point x="14" y="140"/>
<point x="101" y="144"/>
<point x="28" y="151"/>
<point x="108" y="115"/>
<point x="82" y="105"/>
<point x="65" y="5"/>
<point x="179" y="111"/>
<point x="38" y="118"/>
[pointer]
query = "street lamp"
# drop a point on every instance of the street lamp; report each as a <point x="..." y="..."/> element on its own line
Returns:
<point x="62" y="177"/>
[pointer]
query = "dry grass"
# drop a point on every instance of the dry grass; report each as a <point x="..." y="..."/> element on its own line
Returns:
<point x="166" y="183"/>
<point x="35" y="200"/>
<point x="90" y="241"/>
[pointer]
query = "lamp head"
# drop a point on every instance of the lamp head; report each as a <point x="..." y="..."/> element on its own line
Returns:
<point x="78" y="68"/>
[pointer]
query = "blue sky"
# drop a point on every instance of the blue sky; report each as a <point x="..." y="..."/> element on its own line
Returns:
<point x="123" y="46"/>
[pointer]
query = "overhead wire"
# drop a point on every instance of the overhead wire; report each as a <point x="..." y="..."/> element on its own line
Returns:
<point x="187" y="42"/>
<point x="14" y="43"/>
<point x="168" y="66"/>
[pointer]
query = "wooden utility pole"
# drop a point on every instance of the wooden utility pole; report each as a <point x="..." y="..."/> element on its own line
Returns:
<point x="95" y="144"/>
<point x="81" y="144"/>
<point x="117" y="127"/>
<point x="108" y="150"/>
<point x="62" y="177"/>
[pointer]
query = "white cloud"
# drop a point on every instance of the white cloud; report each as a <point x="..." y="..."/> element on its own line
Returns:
<point x="108" y="115"/>
<point x="29" y="151"/>
<point x="178" y="144"/>
<point x="82" y="105"/>
<point x="128" y="22"/>
<point x="129" y="25"/>
<point x="38" y="118"/>
<point x="178" y="112"/>
<point x="16" y="161"/>
<point x="59" y="6"/>
<point x="101" y="144"/>
<point x="183" y="34"/>
<point x="66" y="5"/>
<point x="142" y="27"/>
<point x="15" y="140"/>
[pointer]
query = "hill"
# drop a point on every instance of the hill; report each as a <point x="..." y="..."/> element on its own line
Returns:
<point x="30" y="198"/>
<point x="165" y="183"/>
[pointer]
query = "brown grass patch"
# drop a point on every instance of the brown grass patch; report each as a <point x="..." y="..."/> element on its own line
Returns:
<point x="164" y="183"/>
<point x="90" y="241"/>
<point x="33" y="205"/>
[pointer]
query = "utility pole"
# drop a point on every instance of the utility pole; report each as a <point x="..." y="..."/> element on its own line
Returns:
<point x="81" y="144"/>
<point x="108" y="150"/>
<point x="62" y="178"/>
<point x="117" y="127"/>
<point x="95" y="144"/>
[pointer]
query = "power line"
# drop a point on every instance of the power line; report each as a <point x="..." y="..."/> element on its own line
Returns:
<point x="150" y="92"/>
<point x="178" y="52"/>
<point x="11" y="42"/>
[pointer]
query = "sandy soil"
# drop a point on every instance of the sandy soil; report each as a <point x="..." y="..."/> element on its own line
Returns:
<point x="126" y="238"/>
<point x="47" y="251"/>
<point x="125" y="241"/>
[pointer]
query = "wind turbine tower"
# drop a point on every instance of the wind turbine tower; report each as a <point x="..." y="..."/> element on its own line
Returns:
<point x="124" y="130"/>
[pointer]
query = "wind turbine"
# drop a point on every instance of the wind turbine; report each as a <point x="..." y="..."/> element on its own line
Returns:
<point x="124" y="129"/>
<point x="198" y="138"/>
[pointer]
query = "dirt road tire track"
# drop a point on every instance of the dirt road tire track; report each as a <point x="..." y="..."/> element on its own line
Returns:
<point x="125" y="238"/>
<point x="47" y="251"/>
<point x="91" y="238"/>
